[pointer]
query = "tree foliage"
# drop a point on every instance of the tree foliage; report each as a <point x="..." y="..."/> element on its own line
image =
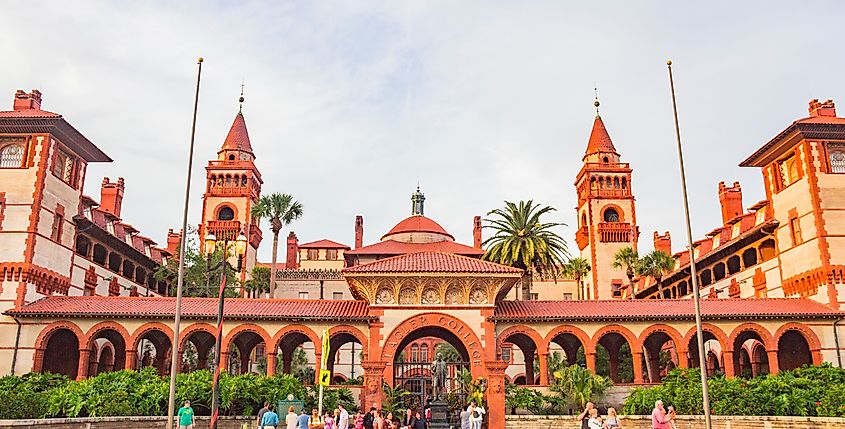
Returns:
<point x="807" y="391"/>
<point x="579" y="385"/>
<point x="279" y="210"/>
<point x="198" y="281"/>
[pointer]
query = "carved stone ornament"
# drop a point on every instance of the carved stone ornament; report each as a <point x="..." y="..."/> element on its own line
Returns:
<point x="407" y="296"/>
<point x="430" y="296"/>
<point x="478" y="296"/>
<point x="384" y="296"/>
<point x="454" y="296"/>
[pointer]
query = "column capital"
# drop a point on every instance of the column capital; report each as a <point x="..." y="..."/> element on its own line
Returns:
<point x="375" y="367"/>
<point x="496" y="367"/>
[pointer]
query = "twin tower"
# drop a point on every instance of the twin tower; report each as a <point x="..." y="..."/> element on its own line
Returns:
<point x="607" y="218"/>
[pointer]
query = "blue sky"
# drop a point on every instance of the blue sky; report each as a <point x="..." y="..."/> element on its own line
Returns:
<point x="350" y="104"/>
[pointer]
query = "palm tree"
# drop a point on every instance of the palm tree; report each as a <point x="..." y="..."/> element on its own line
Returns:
<point x="657" y="264"/>
<point x="577" y="268"/>
<point x="280" y="210"/>
<point x="523" y="241"/>
<point x="629" y="259"/>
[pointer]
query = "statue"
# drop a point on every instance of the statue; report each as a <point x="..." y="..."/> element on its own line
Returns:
<point x="438" y="375"/>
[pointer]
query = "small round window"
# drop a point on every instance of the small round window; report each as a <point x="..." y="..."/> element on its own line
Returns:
<point x="611" y="215"/>
<point x="226" y="213"/>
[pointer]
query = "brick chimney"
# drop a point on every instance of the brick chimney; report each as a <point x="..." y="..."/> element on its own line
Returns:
<point x="359" y="231"/>
<point x="476" y="231"/>
<point x="731" y="201"/>
<point x="822" y="109"/>
<point x="173" y="239"/>
<point x="111" y="196"/>
<point x="26" y="101"/>
<point x="663" y="242"/>
<point x="293" y="251"/>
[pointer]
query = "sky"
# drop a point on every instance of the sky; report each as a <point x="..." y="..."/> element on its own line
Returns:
<point x="350" y="105"/>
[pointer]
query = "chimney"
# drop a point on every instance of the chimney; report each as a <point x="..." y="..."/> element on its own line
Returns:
<point x="293" y="251"/>
<point x="476" y="231"/>
<point x="822" y="109"/>
<point x="111" y="196"/>
<point x="731" y="201"/>
<point x="173" y="239"/>
<point x="24" y="101"/>
<point x="359" y="231"/>
<point x="663" y="242"/>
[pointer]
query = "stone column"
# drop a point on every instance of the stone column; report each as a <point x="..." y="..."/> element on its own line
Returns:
<point x="496" y="394"/>
<point x="637" y="363"/>
<point x="544" y="369"/>
<point x="318" y="359"/>
<point x="728" y="364"/>
<point x="82" y="367"/>
<point x="613" y="363"/>
<point x="590" y="357"/>
<point x="132" y="359"/>
<point x="773" y="361"/>
<point x="271" y="364"/>
<point x="528" y="355"/>
<point x="373" y="380"/>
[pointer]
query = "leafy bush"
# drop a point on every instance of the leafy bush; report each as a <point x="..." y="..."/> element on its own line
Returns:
<point x="807" y="391"/>
<point x="579" y="385"/>
<point x="27" y="396"/>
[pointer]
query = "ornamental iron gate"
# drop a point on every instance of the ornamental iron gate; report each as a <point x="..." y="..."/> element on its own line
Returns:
<point x="416" y="379"/>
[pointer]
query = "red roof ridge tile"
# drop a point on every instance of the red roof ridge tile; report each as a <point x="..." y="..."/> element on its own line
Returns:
<point x="324" y="243"/>
<point x="431" y="261"/>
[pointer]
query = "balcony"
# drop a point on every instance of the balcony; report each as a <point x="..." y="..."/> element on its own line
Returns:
<point x="254" y="235"/>
<point x="611" y="193"/>
<point x="582" y="237"/>
<point x="615" y="232"/>
<point x="224" y="228"/>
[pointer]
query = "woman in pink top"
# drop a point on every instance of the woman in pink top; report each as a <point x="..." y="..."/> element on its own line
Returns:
<point x="659" y="419"/>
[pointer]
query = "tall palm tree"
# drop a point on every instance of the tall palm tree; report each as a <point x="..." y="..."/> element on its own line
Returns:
<point x="657" y="264"/>
<point x="629" y="259"/>
<point x="523" y="241"/>
<point x="280" y="210"/>
<point x="577" y="268"/>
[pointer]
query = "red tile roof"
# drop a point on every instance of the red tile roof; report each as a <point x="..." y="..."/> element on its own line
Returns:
<point x="418" y="223"/>
<point x="192" y="308"/>
<point x="599" y="139"/>
<point x="652" y="309"/>
<point x="393" y="247"/>
<point x="238" y="137"/>
<point x="428" y="262"/>
<point x="28" y="113"/>
<point x="323" y="244"/>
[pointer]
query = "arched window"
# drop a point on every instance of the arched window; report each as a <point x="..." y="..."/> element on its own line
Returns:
<point x="605" y="160"/>
<point x="733" y="265"/>
<point x="415" y="353"/>
<point x="767" y="250"/>
<point x="583" y="219"/>
<point x="611" y="215"/>
<point x="624" y="183"/>
<point x="749" y="257"/>
<point x="592" y="183"/>
<point x="243" y="180"/>
<point x="706" y="278"/>
<point x="231" y="157"/>
<point x="424" y="352"/>
<point x="11" y="156"/>
<point x="225" y="213"/>
<point x="836" y="154"/>
<point x="719" y="271"/>
<point x="616" y="182"/>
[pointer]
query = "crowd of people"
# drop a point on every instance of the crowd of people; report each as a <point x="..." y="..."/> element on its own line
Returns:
<point x="661" y="418"/>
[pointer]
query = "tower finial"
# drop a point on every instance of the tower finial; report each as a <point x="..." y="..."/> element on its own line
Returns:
<point x="417" y="202"/>
<point x="241" y="99"/>
<point x="596" y="103"/>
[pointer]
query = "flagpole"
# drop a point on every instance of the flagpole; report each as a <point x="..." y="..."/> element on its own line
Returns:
<point x="696" y="293"/>
<point x="174" y="356"/>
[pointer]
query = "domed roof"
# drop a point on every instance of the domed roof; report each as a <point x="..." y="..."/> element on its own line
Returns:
<point x="418" y="223"/>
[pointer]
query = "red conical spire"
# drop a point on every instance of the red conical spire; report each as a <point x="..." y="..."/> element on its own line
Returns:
<point x="238" y="137"/>
<point x="599" y="138"/>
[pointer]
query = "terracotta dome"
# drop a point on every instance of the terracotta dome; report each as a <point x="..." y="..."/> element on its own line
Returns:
<point x="420" y="225"/>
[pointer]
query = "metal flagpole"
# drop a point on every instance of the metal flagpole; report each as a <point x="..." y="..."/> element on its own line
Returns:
<point x="174" y="357"/>
<point x="702" y="364"/>
<point x="218" y="350"/>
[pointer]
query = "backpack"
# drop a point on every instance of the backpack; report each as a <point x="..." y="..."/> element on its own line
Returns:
<point x="475" y="414"/>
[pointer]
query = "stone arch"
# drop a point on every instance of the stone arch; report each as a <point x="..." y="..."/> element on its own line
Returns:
<point x="245" y="338"/>
<point x="193" y="328"/>
<point x="621" y="330"/>
<point x="160" y="336"/>
<point x="813" y="346"/>
<point x="70" y="356"/>
<point x="202" y="339"/>
<point x="711" y="332"/>
<point x="612" y="338"/>
<point x="116" y="334"/>
<point x="225" y="210"/>
<point x="653" y="340"/>
<point x="532" y="346"/>
<point x="105" y="359"/>
<point x="298" y="329"/>
<point x="765" y="336"/>
<point x="619" y="213"/>
<point x="749" y="332"/>
<point x="340" y="336"/>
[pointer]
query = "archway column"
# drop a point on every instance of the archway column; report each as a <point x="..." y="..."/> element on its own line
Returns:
<point x="82" y="371"/>
<point x="727" y="363"/>
<point x="590" y="357"/>
<point x="373" y="380"/>
<point x="271" y="363"/>
<point x="773" y="361"/>
<point x="544" y="369"/>
<point x="637" y="362"/>
<point x="132" y="359"/>
<point x="318" y="363"/>
<point x="496" y="393"/>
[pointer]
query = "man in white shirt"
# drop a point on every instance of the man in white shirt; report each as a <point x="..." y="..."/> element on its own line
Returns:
<point x="343" y="419"/>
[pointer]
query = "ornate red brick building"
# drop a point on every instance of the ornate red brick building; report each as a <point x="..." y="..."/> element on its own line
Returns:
<point x="416" y="286"/>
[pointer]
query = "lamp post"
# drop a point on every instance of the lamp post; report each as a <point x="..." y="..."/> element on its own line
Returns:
<point x="696" y="293"/>
<point x="240" y="250"/>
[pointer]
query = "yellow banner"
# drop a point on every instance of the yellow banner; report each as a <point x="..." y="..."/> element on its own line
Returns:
<point x="325" y="357"/>
<point x="325" y="377"/>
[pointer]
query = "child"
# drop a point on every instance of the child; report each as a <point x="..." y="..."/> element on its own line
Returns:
<point x="612" y="421"/>
<point x="670" y="413"/>
<point x="359" y="420"/>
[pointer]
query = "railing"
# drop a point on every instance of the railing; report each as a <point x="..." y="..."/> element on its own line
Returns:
<point x="615" y="232"/>
<point x="224" y="228"/>
<point x="611" y="193"/>
<point x="321" y="274"/>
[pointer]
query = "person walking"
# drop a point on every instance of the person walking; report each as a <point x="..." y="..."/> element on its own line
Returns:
<point x="612" y="420"/>
<point x="476" y="415"/>
<point x="584" y="417"/>
<point x="187" y="419"/>
<point x="465" y="418"/>
<point x="290" y="419"/>
<point x="304" y="420"/>
<point x="261" y="414"/>
<point x="343" y="417"/>
<point x="369" y="419"/>
<point x="328" y="420"/>
<point x="270" y="420"/>
<point x="659" y="419"/>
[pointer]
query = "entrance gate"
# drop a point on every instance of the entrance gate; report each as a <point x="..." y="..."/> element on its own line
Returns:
<point x="415" y="378"/>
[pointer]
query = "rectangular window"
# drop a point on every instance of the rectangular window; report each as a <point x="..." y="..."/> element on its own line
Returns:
<point x="337" y="296"/>
<point x="313" y="254"/>
<point x="147" y="250"/>
<point x="303" y="295"/>
<point x="331" y="254"/>
<point x="506" y="354"/>
<point x="567" y="297"/>
<point x="836" y="157"/>
<point x="87" y="212"/>
<point x="63" y="166"/>
<point x="128" y="238"/>
<point x="56" y="233"/>
<point x="110" y="227"/>
<point x="788" y="169"/>
<point x="535" y="296"/>
<point x="795" y="231"/>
